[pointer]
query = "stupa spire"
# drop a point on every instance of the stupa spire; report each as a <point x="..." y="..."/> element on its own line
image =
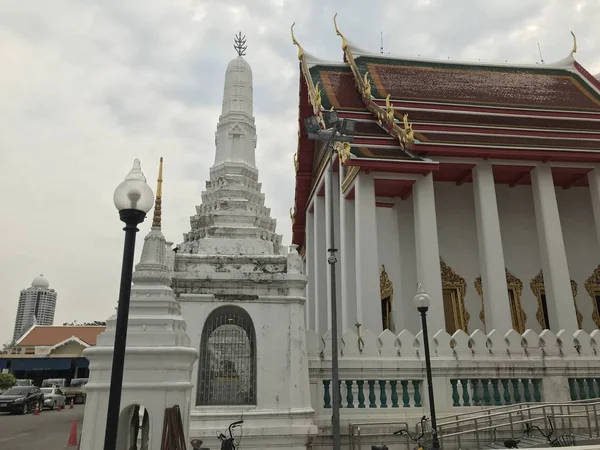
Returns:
<point x="239" y="44"/>
<point x="236" y="132"/>
<point x="158" y="200"/>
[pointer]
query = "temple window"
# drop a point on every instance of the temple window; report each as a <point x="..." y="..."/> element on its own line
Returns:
<point x="592" y="286"/>
<point x="386" y="290"/>
<point x="227" y="363"/>
<point x="454" y="288"/>
<point x="542" y="316"/>
<point x="515" y="289"/>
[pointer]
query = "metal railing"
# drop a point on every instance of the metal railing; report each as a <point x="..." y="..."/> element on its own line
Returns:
<point x="358" y="431"/>
<point x="483" y="428"/>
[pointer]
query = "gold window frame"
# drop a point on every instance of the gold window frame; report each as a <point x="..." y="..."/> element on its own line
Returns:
<point x="453" y="281"/>
<point x="537" y="287"/>
<point x="386" y="290"/>
<point x="519" y="322"/>
<point x="592" y="286"/>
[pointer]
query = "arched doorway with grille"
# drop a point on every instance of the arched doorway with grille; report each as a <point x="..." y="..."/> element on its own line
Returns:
<point x="227" y="364"/>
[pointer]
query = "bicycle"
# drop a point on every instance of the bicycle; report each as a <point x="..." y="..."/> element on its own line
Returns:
<point x="229" y="443"/>
<point x="402" y="432"/>
<point x="564" y="440"/>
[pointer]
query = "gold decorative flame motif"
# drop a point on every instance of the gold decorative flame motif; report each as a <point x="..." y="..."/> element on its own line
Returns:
<point x="389" y="111"/>
<point x="296" y="163"/>
<point x="385" y="117"/>
<point x="366" y="89"/>
<point x="574" y="50"/>
<point x="343" y="150"/>
<point x="293" y="214"/>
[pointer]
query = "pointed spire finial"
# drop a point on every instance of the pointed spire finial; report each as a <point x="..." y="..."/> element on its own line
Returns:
<point x="239" y="44"/>
<point x="158" y="201"/>
<point x="574" y="44"/>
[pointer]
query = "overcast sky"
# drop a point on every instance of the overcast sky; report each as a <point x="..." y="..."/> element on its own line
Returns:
<point x="87" y="86"/>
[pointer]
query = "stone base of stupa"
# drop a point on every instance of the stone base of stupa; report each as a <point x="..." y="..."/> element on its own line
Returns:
<point x="266" y="429"/>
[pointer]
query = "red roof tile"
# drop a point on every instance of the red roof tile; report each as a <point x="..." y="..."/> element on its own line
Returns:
<point x="42" y="335"/>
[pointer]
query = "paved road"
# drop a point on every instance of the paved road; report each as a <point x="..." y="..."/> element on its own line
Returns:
<point x="49" y="431"/>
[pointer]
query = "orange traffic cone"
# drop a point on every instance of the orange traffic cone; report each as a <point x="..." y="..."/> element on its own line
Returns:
<point x="36" y="411"/>
<point x="71" y="406"/>
<point x="60" y="406"/>
<point x="73" y="435"/>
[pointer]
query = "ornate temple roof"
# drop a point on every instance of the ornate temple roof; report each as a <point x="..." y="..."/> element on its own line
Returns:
<point x="414" y="110"/>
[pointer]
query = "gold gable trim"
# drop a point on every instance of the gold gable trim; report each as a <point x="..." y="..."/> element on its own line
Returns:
<point x="385" y="116"/>
<point x="452" y="280"/>
<point x="512" y="283"/>
<point x="537" y="287"/>
<point x="592" y="285"/>
<point x="386" y="288"/>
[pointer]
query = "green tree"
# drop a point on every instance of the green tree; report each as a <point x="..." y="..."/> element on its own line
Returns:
<point x="7" y="380"/>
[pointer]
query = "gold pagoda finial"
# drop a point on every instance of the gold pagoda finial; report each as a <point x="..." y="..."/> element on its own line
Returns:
<point x="295" y="42"/>
<point x="574" y="44"/>
<point x="339" y="33"/>
<point x="158" y="201"/>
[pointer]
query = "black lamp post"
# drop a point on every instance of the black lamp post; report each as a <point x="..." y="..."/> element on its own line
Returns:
<point x="422" y="302"/>
<point x="133" y="198"/>
<point x="340" y="131"/>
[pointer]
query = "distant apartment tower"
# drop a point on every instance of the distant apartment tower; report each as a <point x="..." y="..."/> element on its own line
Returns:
<point x="36" y="305"/>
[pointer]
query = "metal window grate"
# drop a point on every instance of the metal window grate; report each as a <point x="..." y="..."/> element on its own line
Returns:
<point x="227" y="365"/>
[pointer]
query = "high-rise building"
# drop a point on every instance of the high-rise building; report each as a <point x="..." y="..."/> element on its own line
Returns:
<point x="36" y="305"/>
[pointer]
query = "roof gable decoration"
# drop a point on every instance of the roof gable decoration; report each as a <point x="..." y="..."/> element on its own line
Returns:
<point x="68" y="341"/>
<point x="314" y="92"/>
<point x="385" y="117"/>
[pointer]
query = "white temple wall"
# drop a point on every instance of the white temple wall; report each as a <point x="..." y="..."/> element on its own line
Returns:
<point x="581" y="243"/>
<point x="520" y="242"/>
<point x="389" y="255"/>
<point x="274" y="373"/>
<point x="457" y="235"/>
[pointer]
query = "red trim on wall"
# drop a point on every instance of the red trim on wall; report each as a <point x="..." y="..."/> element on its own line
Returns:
<point x="402" y="105"/>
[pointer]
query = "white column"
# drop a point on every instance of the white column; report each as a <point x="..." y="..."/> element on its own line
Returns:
<point x="320" y="267"/>
<point x="557" y="282"/>
<point x="594" y="182"/>
<point x="367" y="259"/>
<point x="428" y="252"/>
<point x="348" y="263"/>
<point x="491" y="253"/>
<point x="310" y="270"/>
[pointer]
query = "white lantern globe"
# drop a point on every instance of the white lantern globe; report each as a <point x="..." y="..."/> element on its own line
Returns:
<point x="133" y="193"/>
<point x="421" y="300"/>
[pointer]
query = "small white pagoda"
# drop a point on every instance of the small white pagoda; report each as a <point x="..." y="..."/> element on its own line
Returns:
<point x="158" y="359"/>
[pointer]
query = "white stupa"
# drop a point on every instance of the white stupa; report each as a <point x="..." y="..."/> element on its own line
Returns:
<point x="242" y="296"/>
<point x="158" y="359"/>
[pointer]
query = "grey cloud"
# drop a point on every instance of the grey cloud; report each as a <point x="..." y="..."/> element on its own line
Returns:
<point x="88" y="86"/>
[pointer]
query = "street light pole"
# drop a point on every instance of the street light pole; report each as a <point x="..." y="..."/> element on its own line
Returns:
<point x="133" y="198"/>
<point x="422" y="301"/>
<point x="335" y="130"/>
<point x="332" y="260"/>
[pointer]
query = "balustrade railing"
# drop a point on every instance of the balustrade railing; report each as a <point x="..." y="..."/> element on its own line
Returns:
<point x="477" y="370"/>
<point x="504" y="391"/>
<point x="584" y="388"/>
<point x="375" y="393"/>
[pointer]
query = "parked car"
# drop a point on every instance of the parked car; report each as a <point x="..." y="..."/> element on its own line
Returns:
<point x="24" y="382"/>
<point x="75" y="390"/>
<point x="55" y="382"/>
<point x="20" y="399"/>
<point x="53" y="397"/>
